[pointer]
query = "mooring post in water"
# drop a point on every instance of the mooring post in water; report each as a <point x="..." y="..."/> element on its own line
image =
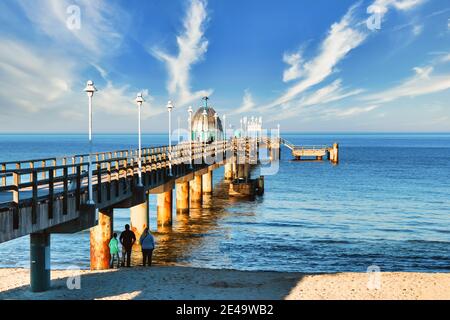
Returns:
<point x="100" y="236"/>
<point x="164" y="208"/>
<point x="196" y="192"/>
<point x="139" y="220"/>
<point x="207" y="183"/>
<point x="39" y="261"/>
<point x="182" y="194"/>
<point x="335" y="153"/>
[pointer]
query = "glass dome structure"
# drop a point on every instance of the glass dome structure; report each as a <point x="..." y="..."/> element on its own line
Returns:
<point x="204" y="126"/>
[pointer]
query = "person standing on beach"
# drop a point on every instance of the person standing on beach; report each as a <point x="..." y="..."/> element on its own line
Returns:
<point x="147" y="242"/>
<point x="114" y="251"/>
<point x="127" y="239"/>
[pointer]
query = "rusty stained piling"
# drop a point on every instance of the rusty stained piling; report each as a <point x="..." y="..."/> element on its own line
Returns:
<point x="100" y="236"/>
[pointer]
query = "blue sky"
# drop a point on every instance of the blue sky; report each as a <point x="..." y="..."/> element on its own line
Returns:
<point x="308" y="65"/>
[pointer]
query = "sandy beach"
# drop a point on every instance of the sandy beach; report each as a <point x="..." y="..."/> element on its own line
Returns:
<point x="171" y="282"/>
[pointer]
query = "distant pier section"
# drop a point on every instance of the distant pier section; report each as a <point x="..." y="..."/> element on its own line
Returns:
<point x="313" y="152"/>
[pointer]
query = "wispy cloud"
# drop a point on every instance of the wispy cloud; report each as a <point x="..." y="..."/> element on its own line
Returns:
<point x="294" y="60"/>
<point x="423" y="82"/>
<point x="33" y="79"/>
<point x="247" y="103"/>
<point x="192" y="47"/>
<point x="341" y="39"/>
<point x="346" y="112"/>
<point x="101" y="28"/>
<point x="402" y="5"/>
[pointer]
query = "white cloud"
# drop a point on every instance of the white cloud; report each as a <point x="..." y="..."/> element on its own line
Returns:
<point x="401" y="5"/>
<point x="294" y="60"/>
<point x="119" y="100"/>
<point x="423" y="82"/>
<point x="347" y="112"/>
<point x="191" y="49"/>
<point x="330" y="93"/>
<point x="33" y="79"/>
<point x="247" y="103"/>
<point x="99" y="32"/>
<point x="341" y="39"/>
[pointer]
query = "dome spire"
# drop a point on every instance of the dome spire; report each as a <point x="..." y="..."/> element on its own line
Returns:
<point x="206" y="101"/>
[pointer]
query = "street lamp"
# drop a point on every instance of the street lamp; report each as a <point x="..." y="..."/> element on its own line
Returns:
<point x="224" y="127"/>
<point x="216" y="131"/>
<point x="169" y="108"/>
<point x="204" y="113"/>
<point x="139" y="101"/>
<point x="90" y="89"/>
<point x="190" y="136"/>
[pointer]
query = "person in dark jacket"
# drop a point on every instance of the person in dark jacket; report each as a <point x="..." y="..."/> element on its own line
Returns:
<point x="148" y="244"/>
<point x="127" y="239"/>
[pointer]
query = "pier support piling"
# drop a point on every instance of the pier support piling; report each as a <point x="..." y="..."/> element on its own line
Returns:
<point x="164" y="209"/>
<point x="39" y="261"/>
<point x="228" y="174"/>
<point x="100" y="235"/>
<point x="207" y="183"/>
<point x="139" y="220"/>
<point x="182" y="195"/>
<point x="196" y="192"/>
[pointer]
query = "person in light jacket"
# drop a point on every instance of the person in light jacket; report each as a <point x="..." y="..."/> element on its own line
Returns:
<point x="114" y="251"/>
<point x="147" y="242"/>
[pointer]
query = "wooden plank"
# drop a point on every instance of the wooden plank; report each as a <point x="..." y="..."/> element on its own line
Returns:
<point x="99" y="183"/>
<point x="35" y="196"/>
<point x="51" y="195"/>
<point x="65" y="189"/>
<point x="16" y="182"/>
<point x="78" y="188"/>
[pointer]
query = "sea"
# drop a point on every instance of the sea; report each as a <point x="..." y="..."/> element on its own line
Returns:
<point x="386" y="204"/>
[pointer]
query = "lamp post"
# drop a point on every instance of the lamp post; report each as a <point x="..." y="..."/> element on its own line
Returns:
<point x="216" y="132"/>
<point x="225" y="127"/>
<point x="190" y="136"/>
<point x="240" y="121"/>
<point x="204" y="114"/>
<point x="169" y="108"/>
<point x="139" y="101"/>
<point x="90" y="89"/>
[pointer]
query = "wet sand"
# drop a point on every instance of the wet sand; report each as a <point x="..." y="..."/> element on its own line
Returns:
<point x="169" y="282"/>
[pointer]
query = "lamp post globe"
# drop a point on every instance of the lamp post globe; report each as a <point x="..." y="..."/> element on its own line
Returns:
<point x="169" y="109"/>
<point x="139" y="100"/>
<point x="90" y="89"/>
<point x="190" y="136"/>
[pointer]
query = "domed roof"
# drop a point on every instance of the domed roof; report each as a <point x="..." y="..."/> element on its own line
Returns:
<point x="199" y="124"/>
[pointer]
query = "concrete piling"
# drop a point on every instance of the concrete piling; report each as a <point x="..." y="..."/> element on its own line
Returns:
<point x="196" y="192"/>
<point x="164" y="208"/>
<point x="207" y="183"/>
<point x="182" y="197"/>
<point x="39" y="261"/>
<point x="139" y="220"/>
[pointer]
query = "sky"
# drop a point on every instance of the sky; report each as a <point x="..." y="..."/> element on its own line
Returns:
<point x="310" y="66"/>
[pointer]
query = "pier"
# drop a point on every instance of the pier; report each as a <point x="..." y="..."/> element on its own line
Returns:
<point x="41" y="197"/>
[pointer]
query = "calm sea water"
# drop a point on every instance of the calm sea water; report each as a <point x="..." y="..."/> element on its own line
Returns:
<point x="387" y="203"/>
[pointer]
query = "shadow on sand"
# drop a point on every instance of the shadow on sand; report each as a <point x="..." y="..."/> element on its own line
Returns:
<point x="164" y="283"/>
